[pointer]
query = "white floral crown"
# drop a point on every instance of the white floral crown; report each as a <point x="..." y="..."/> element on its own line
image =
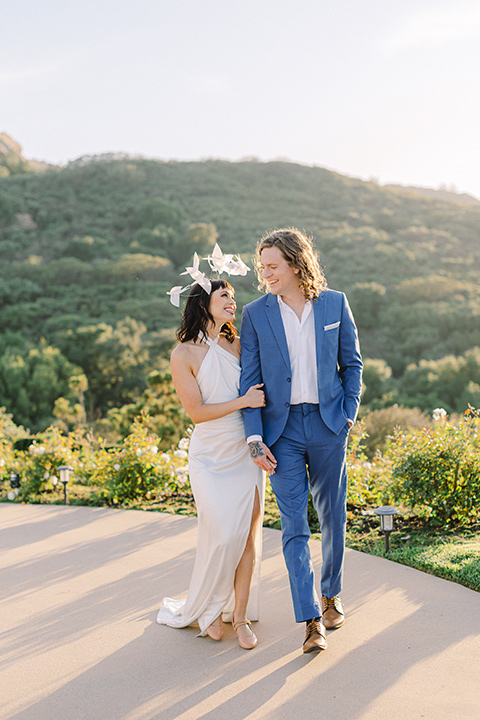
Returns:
<point x="231" y="264"/>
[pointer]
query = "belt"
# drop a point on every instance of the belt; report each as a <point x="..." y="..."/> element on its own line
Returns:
<point x="305" y="408"/>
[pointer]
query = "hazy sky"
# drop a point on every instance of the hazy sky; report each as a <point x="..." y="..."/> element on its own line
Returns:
<point x="384" y="89"/>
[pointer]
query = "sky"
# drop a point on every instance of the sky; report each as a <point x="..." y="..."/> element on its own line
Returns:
<point x="377" y="89"/>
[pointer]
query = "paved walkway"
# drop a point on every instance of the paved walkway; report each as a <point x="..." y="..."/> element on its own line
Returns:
<point x="80" y="588"/>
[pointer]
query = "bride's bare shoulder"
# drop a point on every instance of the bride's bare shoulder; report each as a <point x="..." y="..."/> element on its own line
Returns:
<point x="179" y="350"/>
<point x="186" y="352"/>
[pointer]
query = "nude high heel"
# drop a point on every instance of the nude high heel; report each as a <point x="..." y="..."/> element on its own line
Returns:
<point x="247" y="639"/>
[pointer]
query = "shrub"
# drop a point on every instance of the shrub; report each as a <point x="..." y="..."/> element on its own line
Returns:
<point x="8" y="461"/>
<point x="136" y="470"/>
<point x="437" y="470"/>
<point x="367" y="480"/>
<point x="38" y="466"/>
<point x="380" y="424"/>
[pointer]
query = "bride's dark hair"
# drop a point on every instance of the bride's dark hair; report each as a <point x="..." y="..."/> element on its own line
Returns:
<point x="196" y="314"/>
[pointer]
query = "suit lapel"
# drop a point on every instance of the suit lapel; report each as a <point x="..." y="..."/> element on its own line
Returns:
<point x="274" y="317"/>
<point x="319" y="311"/>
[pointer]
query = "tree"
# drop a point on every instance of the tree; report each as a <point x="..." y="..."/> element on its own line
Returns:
<point x="72" y="413"/>
<point x="367" y="300"/>
<point x="448" y="382"/>
<point x="382" y="423"/>
<point x="10" y="205"/>
<point x="136" y="266"/>
<point x="159" y="402"/>
<point x="159" y="212"/>
<point x="114" y="360"/>
<point x="377" y="380"/>
<point x="31" y="381"/>
<point x="199" y="238"/>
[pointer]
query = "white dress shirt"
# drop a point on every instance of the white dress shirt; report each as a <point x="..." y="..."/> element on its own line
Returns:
<point x="300" y="336"/>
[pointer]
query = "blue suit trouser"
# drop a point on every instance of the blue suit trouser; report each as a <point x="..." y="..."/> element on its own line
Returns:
<point x="311" y="457"/>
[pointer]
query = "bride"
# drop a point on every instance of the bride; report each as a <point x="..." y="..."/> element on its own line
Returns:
<point x="227" y="486"/>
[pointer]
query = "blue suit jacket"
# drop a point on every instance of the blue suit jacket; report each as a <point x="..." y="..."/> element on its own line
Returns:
<point x="265" y="360"/>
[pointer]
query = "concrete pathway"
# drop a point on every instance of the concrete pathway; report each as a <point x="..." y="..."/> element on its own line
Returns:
<point x="80" y="588"/>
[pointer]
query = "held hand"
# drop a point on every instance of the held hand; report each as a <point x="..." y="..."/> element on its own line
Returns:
<point x="262" y="457"/>
<point x="254" y="397"/>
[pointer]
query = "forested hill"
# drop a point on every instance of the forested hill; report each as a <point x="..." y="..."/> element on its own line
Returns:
<point x="84" y="247"/>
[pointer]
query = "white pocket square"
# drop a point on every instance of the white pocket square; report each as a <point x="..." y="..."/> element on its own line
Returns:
<point x="332" y="326"/>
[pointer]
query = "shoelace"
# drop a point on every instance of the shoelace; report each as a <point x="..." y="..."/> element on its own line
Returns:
<point x="311" y="628"/>
<point x="330" y="604"/>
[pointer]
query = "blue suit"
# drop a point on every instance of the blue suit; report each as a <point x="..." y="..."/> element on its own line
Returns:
<point x="308" y="441"/>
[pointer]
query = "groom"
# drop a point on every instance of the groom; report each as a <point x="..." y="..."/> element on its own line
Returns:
<point x="300" y="340"/>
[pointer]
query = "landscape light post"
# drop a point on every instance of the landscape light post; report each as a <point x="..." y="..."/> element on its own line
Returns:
<point x="65" y="472"/>
<point x="14" y="484"/>
<point x="386" y="513"/>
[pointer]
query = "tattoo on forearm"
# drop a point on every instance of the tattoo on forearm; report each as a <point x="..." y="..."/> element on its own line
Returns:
<point x="256" y="449"/>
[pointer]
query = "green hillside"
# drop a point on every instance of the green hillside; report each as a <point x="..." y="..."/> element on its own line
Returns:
<point x="89" y="251"/>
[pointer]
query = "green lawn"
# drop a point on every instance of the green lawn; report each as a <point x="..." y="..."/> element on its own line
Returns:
<point x="451" y="554"/>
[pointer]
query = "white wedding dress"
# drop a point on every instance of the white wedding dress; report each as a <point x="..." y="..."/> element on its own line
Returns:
<point x="223" y="479"/>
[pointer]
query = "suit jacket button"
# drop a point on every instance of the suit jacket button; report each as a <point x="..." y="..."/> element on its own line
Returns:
<point x="289" y="379"/>
<point x="287" y="404"/>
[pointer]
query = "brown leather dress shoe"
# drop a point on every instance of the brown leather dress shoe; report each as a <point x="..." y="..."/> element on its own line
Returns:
<point x="332" y="612"/>
<point x="315" y="638"/>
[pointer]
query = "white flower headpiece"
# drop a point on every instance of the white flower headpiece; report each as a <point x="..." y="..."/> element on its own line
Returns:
<point x="218" y="262"/>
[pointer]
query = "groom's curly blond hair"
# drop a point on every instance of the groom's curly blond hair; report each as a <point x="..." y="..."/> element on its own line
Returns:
<point x="298" y="250"/>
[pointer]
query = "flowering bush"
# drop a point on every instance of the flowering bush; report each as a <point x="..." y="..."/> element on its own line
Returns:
<point x="38" y="466"/>
<point x="136" y="470"/>
<point x="8" y="461"/>
<point x="437" y="470"/>
<point x="9" y="432"/>
<point x="434" y="471"/>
